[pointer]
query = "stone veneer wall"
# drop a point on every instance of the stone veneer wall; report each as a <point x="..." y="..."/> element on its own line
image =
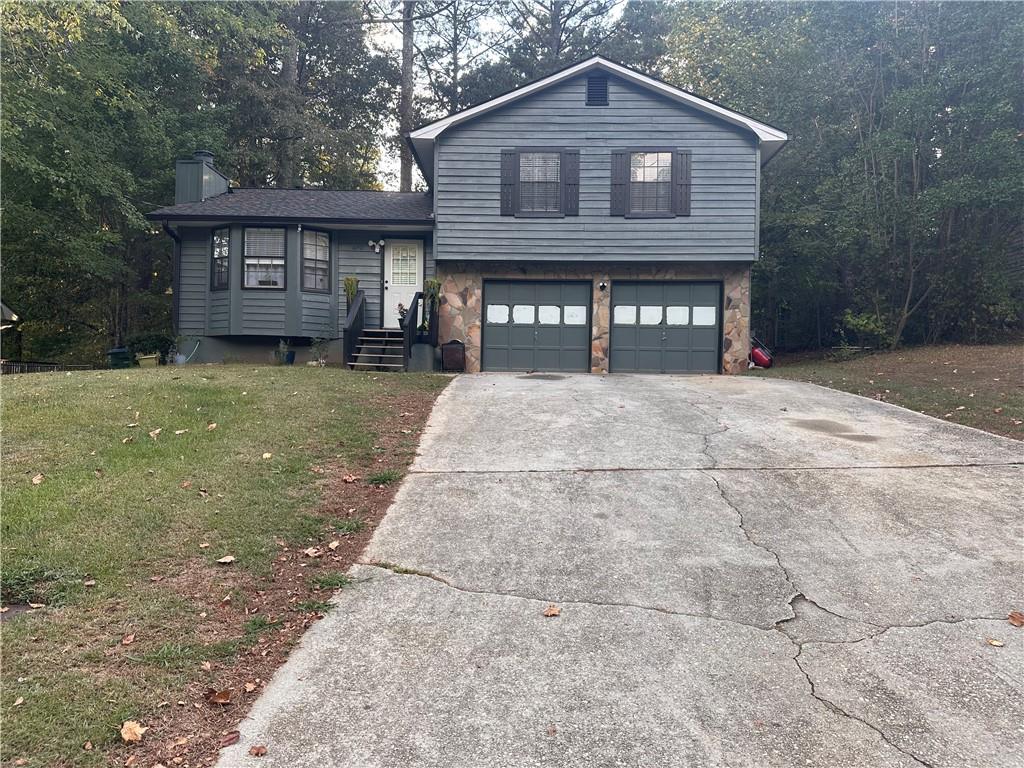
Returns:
<point x="462" y="292"/>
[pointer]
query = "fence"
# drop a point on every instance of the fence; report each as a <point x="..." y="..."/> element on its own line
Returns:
<point x="27" y="366"/>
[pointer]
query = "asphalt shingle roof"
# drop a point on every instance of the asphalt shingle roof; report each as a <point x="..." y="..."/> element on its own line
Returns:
<point x="307" y="205"/>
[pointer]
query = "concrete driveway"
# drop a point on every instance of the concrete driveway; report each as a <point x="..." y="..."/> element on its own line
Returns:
<point x="750" y="573"/>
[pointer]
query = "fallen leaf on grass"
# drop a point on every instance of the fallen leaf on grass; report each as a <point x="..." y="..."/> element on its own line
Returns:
<point x="186" y="484"/>
<point x="219" y="697"/>
<point x="203" y="493"/>
<point x="268" y="455"/>
<point x="204" y="545"/>
<point x="211" y="426"/>
<point x="350" y="478"/>
<point x="87" y="746"/>
<point x="129" y="439"/>
<point x="98" y="472"/>
<point x="997" y="410"/>
<point x="128" y="639"/>
<point x="156" y="578"/>
<point x="258" y="751"/>
<point x="995" y="643"/>
<point x="89" y="583"/>
<point x="132" y="425"/>
<point x="1016" y="618"/>
<point x="250" y="687"/>
<point x="334" y="545"/>
<point x="229" y="738"/>
<point x="552" y="610"/>
<point x="227" y="560"/>
<point x="35" y="606"/>
<point x="180" y="431"/>
<point x="155" y="433"/>
<point x="206" y="666"/>
<point x="19" y="701"/>
<point x="37" y="479"/>
<point x="132" y="730"/>
<point x="311" y="552"/>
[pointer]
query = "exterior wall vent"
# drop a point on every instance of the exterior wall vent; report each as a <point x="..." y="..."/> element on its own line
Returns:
<point x="597" y="91"/>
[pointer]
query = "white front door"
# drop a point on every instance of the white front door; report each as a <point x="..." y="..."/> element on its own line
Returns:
<point x="403" y="276"/>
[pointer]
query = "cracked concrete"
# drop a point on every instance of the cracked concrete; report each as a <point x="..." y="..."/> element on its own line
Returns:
<point x="751" y="573"/>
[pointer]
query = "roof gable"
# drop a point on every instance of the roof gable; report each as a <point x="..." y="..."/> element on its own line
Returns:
<point x="422" y="139"/>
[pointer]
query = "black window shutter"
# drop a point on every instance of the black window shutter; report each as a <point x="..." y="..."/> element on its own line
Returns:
<point x="571" y="182"/>
<point x="681" y="186"/>
<point x="509" y="177"/>
<point x="620" y="182"/>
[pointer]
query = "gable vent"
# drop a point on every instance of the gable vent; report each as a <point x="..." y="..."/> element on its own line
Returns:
<point x="597" y="91"/>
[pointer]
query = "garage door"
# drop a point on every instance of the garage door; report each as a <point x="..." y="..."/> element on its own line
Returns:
<point x="665" y="327"/>
<point x="536" y="326"/>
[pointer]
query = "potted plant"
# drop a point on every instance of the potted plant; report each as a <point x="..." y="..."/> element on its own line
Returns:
<point x="284" y="355"/>
<point x="320" y="352"/>
<point x="351" y="288"/>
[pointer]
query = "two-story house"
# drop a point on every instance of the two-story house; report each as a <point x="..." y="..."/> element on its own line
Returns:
<point x="595" y="220"/>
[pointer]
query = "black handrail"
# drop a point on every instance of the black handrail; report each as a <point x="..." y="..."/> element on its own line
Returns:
<point x="353" y="328"/>
<point x="410" y="326"/>
<point x="430" y="335"/>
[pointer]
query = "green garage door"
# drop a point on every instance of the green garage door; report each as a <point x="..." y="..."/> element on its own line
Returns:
<point x="665" y="327"/>
<point x="536" y="326"/>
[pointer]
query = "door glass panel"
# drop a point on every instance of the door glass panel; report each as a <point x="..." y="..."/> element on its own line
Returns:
<point x="548" y="314"/>
<point x="677" y="315"/>
<point x="497" y="313"/>
<point x="574" y="315"/>
<point x="650" y="315"/>
<point x="403" y="264"/>
<point x="625" y="314"/>
<point x="522" y="314"/>
<point x="704" y="315"/>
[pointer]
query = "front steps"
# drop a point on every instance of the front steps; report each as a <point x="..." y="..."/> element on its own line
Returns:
<point x="380" y="349"/>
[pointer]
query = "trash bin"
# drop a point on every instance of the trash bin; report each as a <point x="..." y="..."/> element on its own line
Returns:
<point x="453" y="356"/>
<point x="119" y="357"/>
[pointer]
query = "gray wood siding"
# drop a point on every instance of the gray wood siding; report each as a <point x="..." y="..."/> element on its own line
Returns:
<point x="264" y="312"/>
<point x="193" y="280"/>
<point x="723" y="220"/>
<point x="354" y="258"/>
<point x="317" y="320"/>
<point x="219" y="321"/>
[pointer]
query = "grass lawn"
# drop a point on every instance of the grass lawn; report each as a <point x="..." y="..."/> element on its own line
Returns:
<point x="120" y="536"/>
<point x="980" y="386"/>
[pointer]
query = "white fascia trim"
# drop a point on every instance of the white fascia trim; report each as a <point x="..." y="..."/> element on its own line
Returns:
<point x="763" y="131"/>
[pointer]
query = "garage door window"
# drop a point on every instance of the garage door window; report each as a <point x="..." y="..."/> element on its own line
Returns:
<point x="650" y="315"/>
<point x="625" y="314"/>
<point x="497" y="313"/>
<point x="523" y="314"/>
<point x="548" y="315"/>
<point x="677" y="315"/>
<point x="703" y="315"/>
<point x="574" y="315"/>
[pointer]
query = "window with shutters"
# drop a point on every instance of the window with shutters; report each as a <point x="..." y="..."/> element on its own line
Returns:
<point x="316" y="261"/>
<point x="540" y="182"/>
<point x="219" y="259"/>
<point x="264" y="258"/>
<point x="650" y="182"/>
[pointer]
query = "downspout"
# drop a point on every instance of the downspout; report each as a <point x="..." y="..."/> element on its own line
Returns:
<point x="175" y="274"/>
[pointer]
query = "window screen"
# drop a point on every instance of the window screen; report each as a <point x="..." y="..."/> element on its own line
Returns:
<point x="264" y="257"/>
<point x="540" y="187"/>
<point x="316" y="260"/>
<point x="219" y="266"/>
<point x="650" y="182"/>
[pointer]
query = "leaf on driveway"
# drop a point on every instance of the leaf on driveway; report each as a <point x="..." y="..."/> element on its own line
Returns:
<point x="552" y="610"/>
<point x="995" y="643"/>
<point x="227" y="560"/>
<point x="132" y="730"/>
<point x="1016" y="618"/>
<point x="37" y="479"/>
<point x="229" y="738"/>
<point x="258" y="750"/>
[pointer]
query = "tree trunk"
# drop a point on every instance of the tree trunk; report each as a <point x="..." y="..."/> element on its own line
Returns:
<point x="287" y="165"/>
<point x="405" y="97"/>
<point x="555" y="33"/>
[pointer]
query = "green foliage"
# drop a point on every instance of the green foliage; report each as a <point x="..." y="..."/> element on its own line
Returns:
<point x="150" y="343"/>
<point x="384" y="477"/>
<point x="351" y="288"/>
<point x="331" y="581"/>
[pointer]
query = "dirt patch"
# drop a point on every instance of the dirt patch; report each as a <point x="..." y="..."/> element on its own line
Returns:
<point x="265" y="616"/>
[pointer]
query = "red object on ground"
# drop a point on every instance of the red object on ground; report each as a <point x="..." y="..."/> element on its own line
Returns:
<point x="760" y="356"/>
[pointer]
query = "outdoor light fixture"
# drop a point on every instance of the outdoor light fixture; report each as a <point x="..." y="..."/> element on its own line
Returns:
<point x="603" y="286"/>
<point x="376" y="245"/>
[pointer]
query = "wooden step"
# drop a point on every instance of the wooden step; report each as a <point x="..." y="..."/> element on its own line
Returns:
<point x="378" y="357"/>
<point x="377" y="365"/>
<point x="382" y="340"/>
<point x="384" y="332"/>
